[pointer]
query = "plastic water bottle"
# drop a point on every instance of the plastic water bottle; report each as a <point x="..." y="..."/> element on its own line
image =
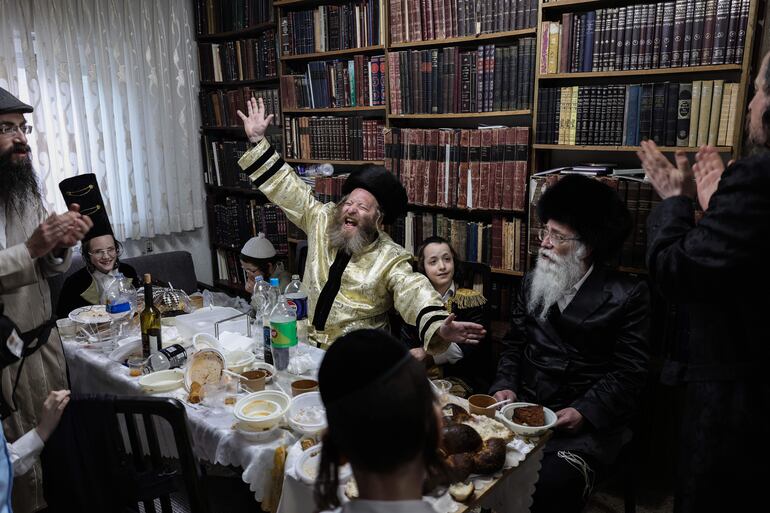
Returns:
<point x="170" y="357"/>
<point x="262" y="304"/>
<point x="283" y="334"/>
<point x="274" y="291"/>
<point x="120" y="297"/>
<point x="296" y="295"/>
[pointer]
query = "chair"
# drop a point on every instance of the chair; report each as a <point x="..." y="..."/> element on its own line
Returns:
<point x="106" y="455"/>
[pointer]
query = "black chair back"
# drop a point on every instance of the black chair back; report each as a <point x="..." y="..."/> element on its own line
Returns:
<point x="107" y="455"/>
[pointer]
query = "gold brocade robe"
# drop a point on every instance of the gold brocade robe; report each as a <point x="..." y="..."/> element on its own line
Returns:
<point x="378" y="278"/>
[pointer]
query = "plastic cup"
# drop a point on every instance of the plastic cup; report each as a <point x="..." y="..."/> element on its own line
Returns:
<point x="135" y="366"/>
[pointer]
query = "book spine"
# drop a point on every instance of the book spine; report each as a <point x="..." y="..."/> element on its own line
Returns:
<point x="721" y="28"/>
<point x="709" y="22"/>
<point x="684" y="108"/>
<point x="694" y="114"/>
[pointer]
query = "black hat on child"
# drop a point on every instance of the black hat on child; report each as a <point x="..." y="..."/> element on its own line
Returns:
<point x="592" y="209"/>
<point x="9" y="103"/>
<point x="84" y="190"/>
<point x="384" y="186"/>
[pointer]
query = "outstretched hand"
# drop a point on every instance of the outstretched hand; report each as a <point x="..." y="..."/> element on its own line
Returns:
<point x="256" y="123"/>
<point x="461" y="332"/>
<point x="667" y="180"/>
<point x="708" y="171"/>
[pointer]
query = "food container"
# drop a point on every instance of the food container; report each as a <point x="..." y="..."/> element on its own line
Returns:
<point x="307" y="414"/>
<point x="202" y="321"/>
<point x="303" y="386"/>
<point x="306" y="466"/>
<point x="255" y="380"/>
<point x="506" y="416"/>
<point x="162" y="381"/>
<point x="479" y="405"/>
<point x="266" y="367"/>
<point x="237" y="361"/>
<point x="256" y="411"/>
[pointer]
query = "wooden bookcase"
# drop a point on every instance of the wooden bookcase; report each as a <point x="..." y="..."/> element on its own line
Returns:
<point x="216" y="191"/>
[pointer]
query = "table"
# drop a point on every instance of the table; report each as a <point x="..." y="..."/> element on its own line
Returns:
<point x="214" y="440"/>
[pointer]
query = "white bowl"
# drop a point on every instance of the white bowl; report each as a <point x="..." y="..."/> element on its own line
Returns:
<point x="306" y="466"/>
<point x="237" y="361"/>
<point x="265" y="366"/>
<point x="162" y="381"/>
<point x="506" y="414"/>
<point x="201" y="354"/>
<point x="242" y="408"/>
<point x="307" y="405"/>
<point x="256" y="434"/>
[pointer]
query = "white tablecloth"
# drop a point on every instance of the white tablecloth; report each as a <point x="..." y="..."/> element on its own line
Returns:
<point x="213" y="436"/>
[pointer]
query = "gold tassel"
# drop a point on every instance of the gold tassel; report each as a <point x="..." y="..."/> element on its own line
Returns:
<point x="465" y="298"/>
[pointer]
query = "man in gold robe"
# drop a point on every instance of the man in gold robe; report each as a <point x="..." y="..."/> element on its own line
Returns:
<point x="354" y="273"/>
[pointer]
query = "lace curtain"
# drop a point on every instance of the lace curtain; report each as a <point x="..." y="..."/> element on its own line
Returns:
<point x="114" y="87"/>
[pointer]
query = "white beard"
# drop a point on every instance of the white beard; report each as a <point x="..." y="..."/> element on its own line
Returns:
<point x="552" y="278"/>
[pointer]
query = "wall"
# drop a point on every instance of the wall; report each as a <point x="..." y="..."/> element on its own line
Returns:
<point x="196" y="242"/>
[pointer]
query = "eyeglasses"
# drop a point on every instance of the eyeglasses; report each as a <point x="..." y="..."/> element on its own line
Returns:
<point x="109" y="252"/>
<point x="555" y="238"/>
<point x="10" y="130"/>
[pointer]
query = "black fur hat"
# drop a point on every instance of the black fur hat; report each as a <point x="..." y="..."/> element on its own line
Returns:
<point x="592" y="209"/>
<point x="9" y="103"/>
<point x="84" y="190"/>
<point x="384" y="186"/>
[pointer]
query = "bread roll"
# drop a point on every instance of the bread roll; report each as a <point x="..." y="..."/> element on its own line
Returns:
<point x="491" y="458"/>
<point x="454" y="414"/>
<point x="461" y="491"/>
<point x="460" y="465"/>
<point x="457" y="438"/>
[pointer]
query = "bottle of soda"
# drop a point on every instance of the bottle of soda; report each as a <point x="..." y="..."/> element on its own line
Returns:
<point x="297" y="296"/>
<point x="283" y="333"/>
<point x="170" y="357"/>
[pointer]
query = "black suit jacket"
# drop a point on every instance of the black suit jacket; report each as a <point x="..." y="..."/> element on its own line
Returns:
<point x="593" y="358"/>
<point x="77" y="283"/>
<point x="714" y="268"/>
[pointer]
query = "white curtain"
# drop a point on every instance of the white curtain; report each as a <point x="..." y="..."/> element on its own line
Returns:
<point x="114" y="84"/>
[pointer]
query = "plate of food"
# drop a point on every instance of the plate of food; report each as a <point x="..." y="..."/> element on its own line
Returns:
<point x="205" y="367"/>
<point x="527" y="419"/>
<point x="91" y="314"/>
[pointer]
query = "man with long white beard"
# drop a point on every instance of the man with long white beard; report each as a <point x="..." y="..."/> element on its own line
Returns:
<point x="33" y="247"/>
<point x="578" y="341"/>
<point x="354" y="271"/>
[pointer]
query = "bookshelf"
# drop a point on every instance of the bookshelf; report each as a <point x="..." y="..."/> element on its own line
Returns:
<point x="705" y="45"/>
<point x="238" y="56"/>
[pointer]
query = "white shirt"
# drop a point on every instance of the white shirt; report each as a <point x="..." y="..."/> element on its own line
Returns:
<point x="25" y="451"/>
<point x="564" y="301"/>
<point x="453" y="353"/>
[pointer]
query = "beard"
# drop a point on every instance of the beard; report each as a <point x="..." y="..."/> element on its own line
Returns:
<point x="18" y="183"/>
<point x="355" y="242"/>
<point x="552" y="278"/>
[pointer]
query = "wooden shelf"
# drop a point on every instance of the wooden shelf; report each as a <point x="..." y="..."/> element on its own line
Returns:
<point x="507" y="272"/>
<point x="333" y="110"/>
<point x="466" y="211"/>
<point x="460" y="115"/>
<point x="665" y="149"/>
<point x="236" y="34"/>
<point x="225" y="247"/>
<point x="272" y="129"/>
<point x="464" y="39"/>
<point x="239" y="83"/>
<point x="336" y="53"/>
<point x="643" y="72"/>
<point x="336" y="162"/>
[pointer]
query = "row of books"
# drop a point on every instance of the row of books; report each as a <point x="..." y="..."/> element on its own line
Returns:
<point x="438" y="19"/>
<point x="243" y="59"/>
<point x="332" y="27"/>
<point x="489" y="78"/>
<point x="658" y="35"/>
<point x="239" y="218"/>
<point x="639" y="198"/>
<point x="467" y="169"/>
<point x="358" y="82"/>
<point x="220" y="161"/>
<point x="500" y="244"/>
<point x="329" y="188"/>
<point x="669" y="113"/>
<point x="229" y="268"/>
<point x="215" y="16"/>
<point x="219" y="107"/>
<point x="334" y="138"/>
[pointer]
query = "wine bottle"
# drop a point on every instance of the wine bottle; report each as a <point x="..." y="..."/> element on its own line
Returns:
<point x="150" y="321"/>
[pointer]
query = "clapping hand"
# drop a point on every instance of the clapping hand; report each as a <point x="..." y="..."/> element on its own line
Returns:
<point x="667" y="180"/>
<point x="76" y="226"/>
<point x="461" y="332"/>
<point x="256" y="123"/>
<point x="708" y="170"/>
<point x="58" y="232"/>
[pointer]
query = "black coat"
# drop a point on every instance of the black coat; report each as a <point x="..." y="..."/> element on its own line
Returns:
<point x="78" y="282"/>
<point x="713" y="269"/>
<point x="593" y="358"/>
